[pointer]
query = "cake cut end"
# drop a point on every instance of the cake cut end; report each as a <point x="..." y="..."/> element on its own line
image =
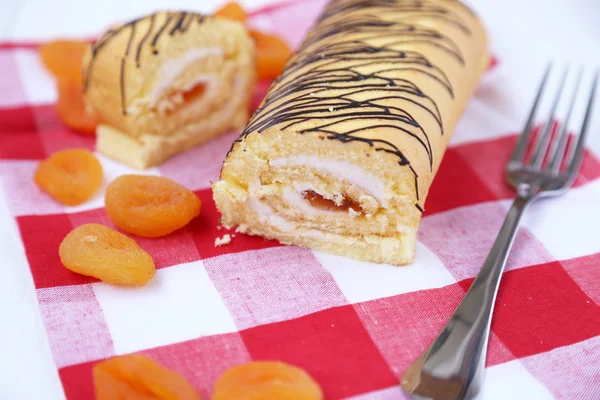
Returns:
<point x="303" y="193"/>
<point x="158" y="95"/>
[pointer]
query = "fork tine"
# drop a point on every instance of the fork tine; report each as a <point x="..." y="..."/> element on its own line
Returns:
<point x="519" y="151"/>
<point x="576" y="155"/>
<point x="557" y="151"/>
<point x="543" y="140"/>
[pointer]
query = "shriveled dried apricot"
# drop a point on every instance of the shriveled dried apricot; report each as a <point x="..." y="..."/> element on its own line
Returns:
<point x="150" y="206"/>
<point x="70" y="108"/>
<point x="70" y="176"/>
<point x="64" y="59"/>
<point x="232" y="10"/>
<point x="103" y="253"/>
<point x="261" y="380"/>
<point x="272" y="52"/>
<point x="136" y="377"/>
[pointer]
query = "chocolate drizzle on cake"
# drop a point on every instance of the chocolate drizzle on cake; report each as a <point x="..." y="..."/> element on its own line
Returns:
<point x="138" y="51"/>
<point x="173" y="23"/>
<point x="347" y="70"/>
<point x="162" y="29"/>
<point x="123" y="59"/>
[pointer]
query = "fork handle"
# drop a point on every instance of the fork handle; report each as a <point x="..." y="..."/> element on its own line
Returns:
<point x="458" y="353"/>
<point x="482" y="293"/>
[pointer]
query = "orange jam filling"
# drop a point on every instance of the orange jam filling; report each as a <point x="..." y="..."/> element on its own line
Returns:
<point x="194" y="92"/>
<point x="320" y="202"/>
<point x="190" y="95"/>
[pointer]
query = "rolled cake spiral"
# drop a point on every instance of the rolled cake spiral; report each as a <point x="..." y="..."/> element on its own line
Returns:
<point x="166" y="82"/>
<point x="342" y="151"/>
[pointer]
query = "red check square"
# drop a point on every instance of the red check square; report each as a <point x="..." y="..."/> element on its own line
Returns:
<point x="17" y="120"/>
<point x="253" y="296"/>
<point x="541" y="308"/>
<point x="41" y="235"/>
<point x="455" y="185"/>
<point x="21" y="145"/>
<point x="77" y="381"/>
<point x="331" y="345"/>
<point x="489" y="159"/>
<point x="206" y="228"/>
<point x="19" y="138"/>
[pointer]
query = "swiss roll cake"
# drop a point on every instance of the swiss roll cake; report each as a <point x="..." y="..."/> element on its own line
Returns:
<point x="167" y="82"/>
<point x="342" y="151"/>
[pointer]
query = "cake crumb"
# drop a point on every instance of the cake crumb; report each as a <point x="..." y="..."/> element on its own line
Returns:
<point x="226" y="239"/>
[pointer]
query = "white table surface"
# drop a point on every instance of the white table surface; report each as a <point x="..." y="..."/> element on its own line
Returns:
<point x="531" y="31"/>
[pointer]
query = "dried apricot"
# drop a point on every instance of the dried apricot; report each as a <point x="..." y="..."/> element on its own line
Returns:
<point x="64" y="59"/>
<point x="133" y="377"/>
<point x="232" y="10"/>
<point x="99" y="251"/>
<point x="150" y="206"/>
<point x="272" y="53"/>
<point x="70" y="108"/>
<point x="70" y="176"/>
<point x="261" y="380"/>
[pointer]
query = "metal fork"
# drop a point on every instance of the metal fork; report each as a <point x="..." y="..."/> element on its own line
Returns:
<point x="452" y="366"/>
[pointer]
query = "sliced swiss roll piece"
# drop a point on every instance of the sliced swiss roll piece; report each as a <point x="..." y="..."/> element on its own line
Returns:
<point x="343" y="149"/>
<point x="166" y="82"/>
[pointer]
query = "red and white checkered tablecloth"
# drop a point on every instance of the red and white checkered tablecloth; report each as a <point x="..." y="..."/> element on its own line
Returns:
<point x="354" y="327"/>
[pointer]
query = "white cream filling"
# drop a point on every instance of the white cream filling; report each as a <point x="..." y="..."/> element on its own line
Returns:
<point x="342" y="169"/>
<point x="266" y="213"/>
<point x="171" y="69"/>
